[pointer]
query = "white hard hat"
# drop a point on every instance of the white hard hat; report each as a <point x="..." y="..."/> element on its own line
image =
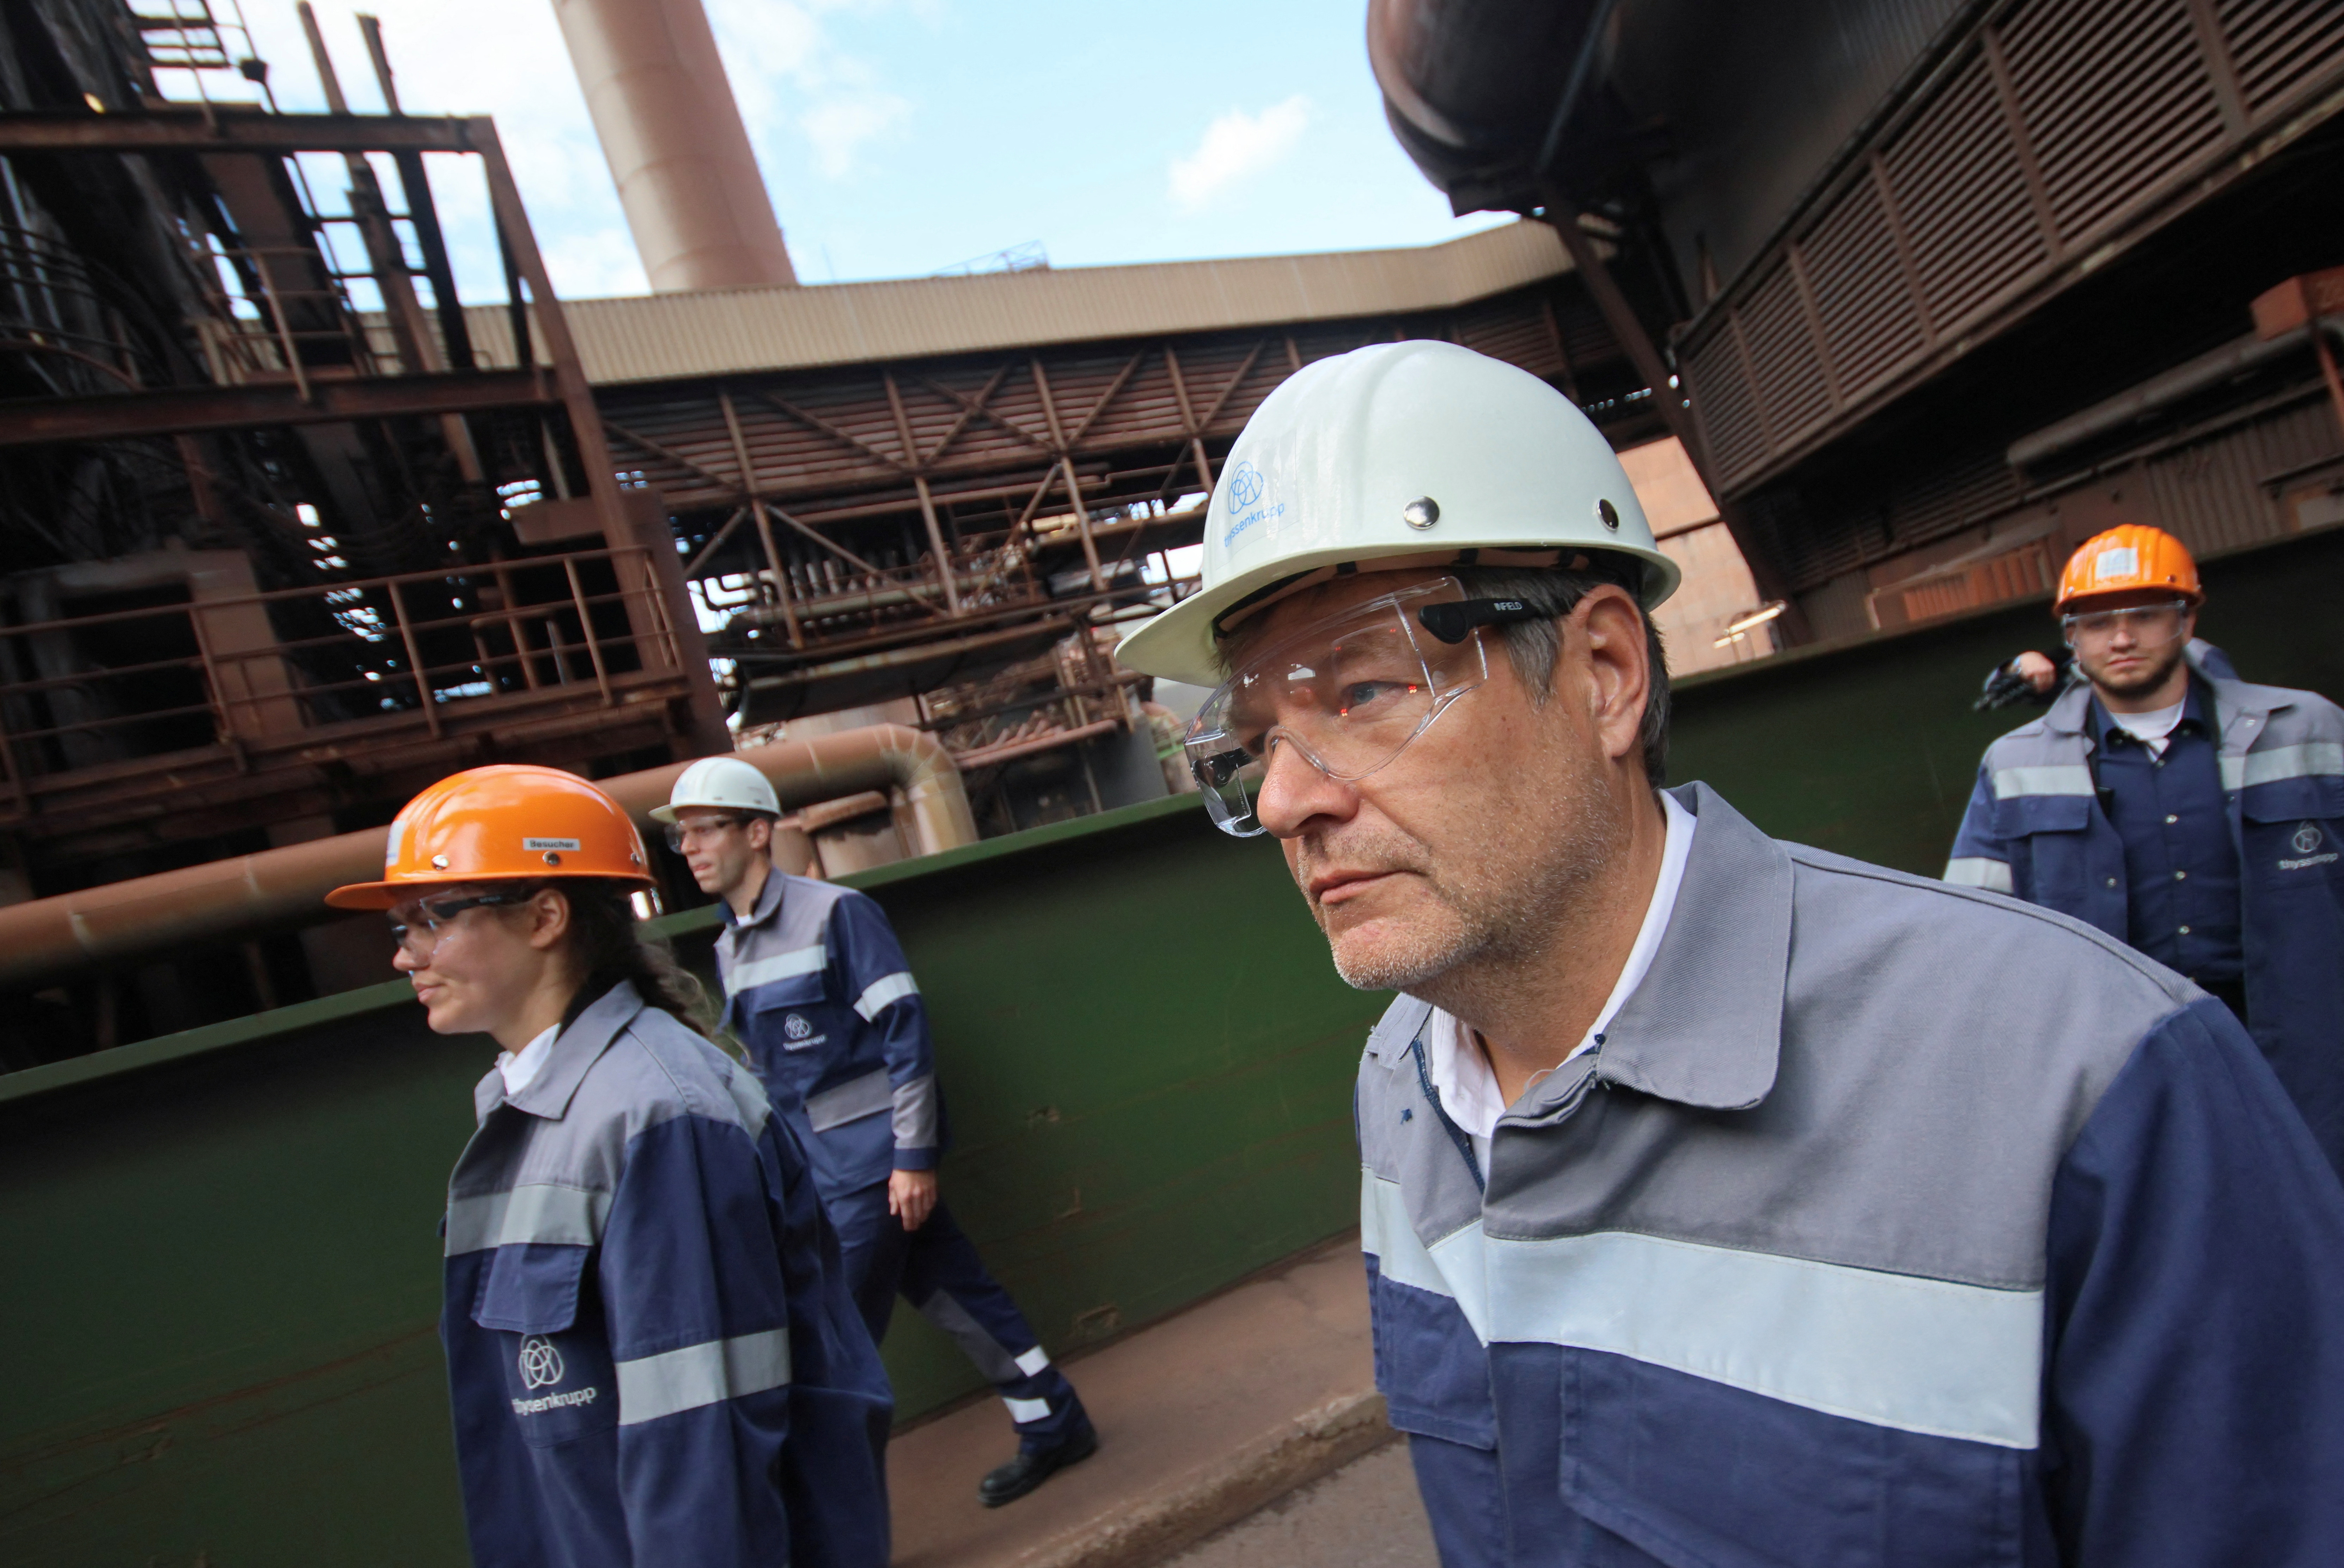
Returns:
<point x="720" y="784"/>
<point x="1399" y="454"/>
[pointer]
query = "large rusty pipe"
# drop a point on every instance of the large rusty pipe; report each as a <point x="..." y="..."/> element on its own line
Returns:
<point x="665" y="112"/>
<point x="53" y="939"/>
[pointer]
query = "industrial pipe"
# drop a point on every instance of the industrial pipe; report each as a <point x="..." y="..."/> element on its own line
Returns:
<point x="2160" y="391"/>
<point x="665" y="112"/>
<point x="52" y="939"/>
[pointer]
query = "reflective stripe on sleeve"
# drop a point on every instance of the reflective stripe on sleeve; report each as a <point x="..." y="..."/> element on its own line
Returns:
<point x="702" y="1374"/>
<point x="522" y="1215"/>
<point x="2308" y="760"/>
<point x="2060" y="778"/>
<point x="1025" y="1411"/>
<point x="1034" y="1360"/>
<point x="1976" y="871"/>
<point x="851" y="1101"/>
<point x="880" y="992"/>
<point x="780" y="966"/>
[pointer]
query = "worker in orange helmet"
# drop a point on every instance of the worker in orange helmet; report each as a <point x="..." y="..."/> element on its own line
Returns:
<point x="2196" y="816"/>
<point x="652" y="1353"/>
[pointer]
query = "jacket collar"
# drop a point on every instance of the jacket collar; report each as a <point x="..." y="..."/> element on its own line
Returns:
<point x="2240" y="709"/>
<point x="575" y="1049"/>
<point x="769" y="900"/>
<point x="1705" y="1026"/>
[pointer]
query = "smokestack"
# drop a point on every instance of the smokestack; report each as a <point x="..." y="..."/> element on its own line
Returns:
<point x="672" y="132"/>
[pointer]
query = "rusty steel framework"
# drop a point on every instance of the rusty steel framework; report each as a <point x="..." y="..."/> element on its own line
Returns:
<point x="370" y="486"/>
<point x="885" y="531"/>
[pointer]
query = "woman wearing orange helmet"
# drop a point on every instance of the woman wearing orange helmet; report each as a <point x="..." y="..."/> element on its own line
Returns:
<point x="652" y="1353"/>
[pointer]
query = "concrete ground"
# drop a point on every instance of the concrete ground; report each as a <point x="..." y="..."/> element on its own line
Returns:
<point x="1203" y="1419"/>
<point x="1364" y="1515"/>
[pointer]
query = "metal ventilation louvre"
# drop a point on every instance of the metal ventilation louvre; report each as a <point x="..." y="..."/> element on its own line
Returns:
<point x="1793" y="391"/>
<point x="1956" y="175"/>
<point x="2116" y="95"/>
<point x="1864" y="299"/>
<point x="2043" y="130"/>
<point x="1727" y="411"/>
<point x="2279" y="45"/>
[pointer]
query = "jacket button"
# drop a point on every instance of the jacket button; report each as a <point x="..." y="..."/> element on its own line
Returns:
<point x="2185" y="931"/>
<point x="2170" y="819"/>
<point x="2112" y="882"/>
<point x="2180" y="877"/>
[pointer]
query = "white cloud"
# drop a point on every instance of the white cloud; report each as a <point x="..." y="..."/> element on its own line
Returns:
<point x="1235" y="145"/>
<point x="840" y="126"/>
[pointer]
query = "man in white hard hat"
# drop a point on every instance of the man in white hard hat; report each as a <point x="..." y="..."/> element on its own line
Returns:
<point x="1715" y="1212"/>
<point x="817" y="989"/>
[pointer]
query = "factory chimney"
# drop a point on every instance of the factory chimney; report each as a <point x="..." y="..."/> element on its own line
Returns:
<point x="672" y="132"/>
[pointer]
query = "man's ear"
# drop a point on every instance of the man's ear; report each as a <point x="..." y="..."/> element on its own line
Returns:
<point x="1619" y="660"/>
<point x="760" y="835"/>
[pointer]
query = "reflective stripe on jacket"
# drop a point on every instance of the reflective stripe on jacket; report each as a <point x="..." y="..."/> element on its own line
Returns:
<point x="1844" y="1249"/>
<point x="817" y="988"/>
<point x="652" y="1353"/>
<point x="2035" y="829"/>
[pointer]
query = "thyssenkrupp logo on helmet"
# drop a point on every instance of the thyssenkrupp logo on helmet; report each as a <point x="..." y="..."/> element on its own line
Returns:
<point x="1245" y="487"/>
<point x="541" y="1363"/>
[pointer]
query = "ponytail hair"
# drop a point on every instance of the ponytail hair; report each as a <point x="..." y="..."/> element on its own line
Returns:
<point x="612" y="946"/>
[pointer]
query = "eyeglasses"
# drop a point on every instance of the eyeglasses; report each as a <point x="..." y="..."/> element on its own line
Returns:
<point x="1348" y="692"/>
<point x="420" y="934"/>
<point x="2151" y="625"/>
<point x="680" y="834"/>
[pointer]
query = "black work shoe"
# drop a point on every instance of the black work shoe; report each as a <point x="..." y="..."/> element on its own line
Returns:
<point x="1031" y="1468"/>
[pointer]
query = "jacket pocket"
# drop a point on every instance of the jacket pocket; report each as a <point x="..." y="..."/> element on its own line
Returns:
<point x="559" y="1377"/>
<point x="1433" y="1373"/>
<point x="1703" y="1475"/>
<point x="795" y="1014"/>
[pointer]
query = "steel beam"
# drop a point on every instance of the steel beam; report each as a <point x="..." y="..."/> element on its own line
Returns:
<point x="115" y="416"/>
<point x="222" y="129"/>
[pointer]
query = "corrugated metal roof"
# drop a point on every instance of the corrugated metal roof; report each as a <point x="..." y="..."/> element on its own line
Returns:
<point x="663" y="337"/>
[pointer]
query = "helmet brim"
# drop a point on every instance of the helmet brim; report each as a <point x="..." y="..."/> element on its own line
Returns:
<point x="1178" y="644"/>
<point x="391" y="895"/>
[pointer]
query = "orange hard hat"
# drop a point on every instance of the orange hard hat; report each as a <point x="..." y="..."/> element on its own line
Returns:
<point x="501" y="824"/>
<point x="2127" y="560"/>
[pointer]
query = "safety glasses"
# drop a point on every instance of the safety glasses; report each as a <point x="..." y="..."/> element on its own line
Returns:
<point x="2151" y="625"/>
<point x="682" y="833"/>
<point x="420" y="932"/>
<point x="1348" y="692"/>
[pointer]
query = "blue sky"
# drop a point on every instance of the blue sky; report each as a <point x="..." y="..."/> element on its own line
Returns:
<point x="900" y="137"/>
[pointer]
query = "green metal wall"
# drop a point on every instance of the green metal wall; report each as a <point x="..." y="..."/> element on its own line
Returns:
<point x="222" y="1258"/>
<point x="222" y="1250"/>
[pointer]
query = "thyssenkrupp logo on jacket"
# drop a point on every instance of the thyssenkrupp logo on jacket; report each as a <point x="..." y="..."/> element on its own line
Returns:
<point x="541" y="1363"/>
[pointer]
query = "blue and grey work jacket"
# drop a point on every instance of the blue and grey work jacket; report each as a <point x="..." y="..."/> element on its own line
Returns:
<point x="816" y="988"/>
<point x="652" y="1351"/>
<point x="2036" y="829"/>
<point x="1889" y="1224"/>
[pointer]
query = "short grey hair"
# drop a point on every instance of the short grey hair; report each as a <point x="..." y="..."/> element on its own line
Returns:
<point x="1532" y="646"/>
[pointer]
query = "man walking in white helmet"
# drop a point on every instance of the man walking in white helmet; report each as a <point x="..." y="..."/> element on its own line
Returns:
<point x="817" y="988"/>
<point x="1713" y="1213"/>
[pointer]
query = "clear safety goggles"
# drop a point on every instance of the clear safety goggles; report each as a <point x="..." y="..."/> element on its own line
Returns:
<point x="2151" y="625"/>
<point x="417" y="927"/>
<point x="1348" y="692"/>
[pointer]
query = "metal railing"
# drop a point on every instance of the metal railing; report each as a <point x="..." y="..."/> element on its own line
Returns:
<point x="276" y="664"/>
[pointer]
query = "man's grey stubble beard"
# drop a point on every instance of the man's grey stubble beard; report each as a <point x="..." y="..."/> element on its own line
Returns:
<point x="1507" y="914"/>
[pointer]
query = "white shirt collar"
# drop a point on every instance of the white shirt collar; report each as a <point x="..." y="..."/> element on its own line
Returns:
<point x="521" y="1067"/>
<point x="1460" y="1074"/>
